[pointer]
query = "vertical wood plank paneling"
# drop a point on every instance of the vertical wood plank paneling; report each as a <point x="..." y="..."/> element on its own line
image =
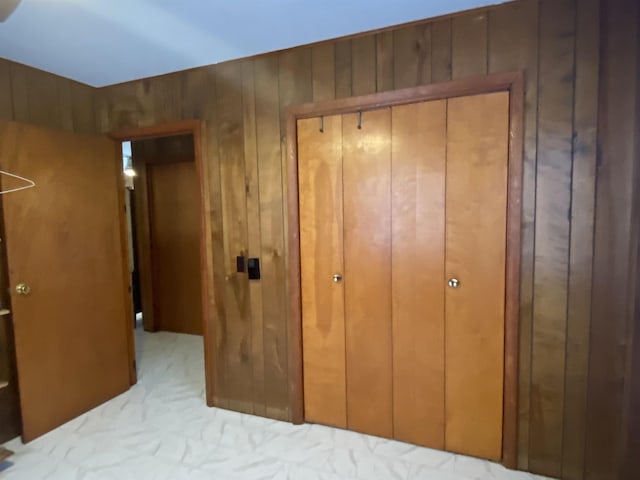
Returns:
<point x="42" y="92"/>
<point x="581" y="245"/>
<point x="364" y="70"/>
<point x="412" y="56"/>
<point x="212" y="162"/>
<point x="6" y="93"/>
<point x="513" y="45"/>
<point x="323" y="70"/>
<point x="234" y="224"/>
<point x="631" y="466"/>
<point x="418" y="163"/>
<point x="272" y="232"/>
<point x="63" y="95"/>
<point x="476" y="180"/>
<point x="555" y="130"/>
<point x="83" y="111"/>
<point x="19" y="89"/>
<point x="384" y="61"/>
<point x="469" y="45"/>
<point x="613" y="286"/>
<point x="367" y="271"/>
<point x="254" y="244"/>
<point x="321" y="257"/>
<point x="343" y="68"/>
<point x="441" y="51"/>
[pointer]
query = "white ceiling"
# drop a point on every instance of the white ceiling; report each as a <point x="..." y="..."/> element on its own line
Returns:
<point x="102" y="42"/>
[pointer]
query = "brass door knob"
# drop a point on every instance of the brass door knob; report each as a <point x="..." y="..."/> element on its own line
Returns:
<point x="454" y="283"/>
<point x="23" y="289"/>
<point x="337" y="278"/>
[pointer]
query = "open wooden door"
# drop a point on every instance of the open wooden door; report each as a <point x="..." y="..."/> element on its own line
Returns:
<point x="65" y="244"/>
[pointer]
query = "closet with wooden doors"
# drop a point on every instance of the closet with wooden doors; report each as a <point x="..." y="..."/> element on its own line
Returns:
<point x="403" y="218"/>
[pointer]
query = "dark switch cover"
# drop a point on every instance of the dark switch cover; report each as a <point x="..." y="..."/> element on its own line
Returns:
<point x="240" y="264"/>
<point x="254" y="268"/>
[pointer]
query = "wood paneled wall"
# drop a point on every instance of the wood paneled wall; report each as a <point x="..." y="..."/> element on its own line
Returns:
<point x="580" y="59"/>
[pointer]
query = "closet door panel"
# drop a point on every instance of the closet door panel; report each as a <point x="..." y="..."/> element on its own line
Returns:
<point x="323" y="331"/>
<point x="477" y="147"/>
<point x="418" y="191"/>
<point x="367" y="275"/>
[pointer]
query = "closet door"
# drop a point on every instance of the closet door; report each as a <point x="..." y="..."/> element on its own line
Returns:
<point x="419" y="135"/>
<point x="367" y="276"/>
<point x="323" y="331"/>
<point x="476" y="202"/>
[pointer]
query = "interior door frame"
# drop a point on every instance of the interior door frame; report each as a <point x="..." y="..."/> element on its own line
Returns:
<point x="512" y="82"/>
<point x="195" y="128"/>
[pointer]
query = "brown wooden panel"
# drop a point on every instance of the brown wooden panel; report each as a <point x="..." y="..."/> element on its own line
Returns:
<point x="441" y="51"/>
<point x="552" y="238"/>
<point x="217" y="362"/>
<point x="234" y="224"/>
<point x="343" y="68"/>
<point x="323" y="309"/>
<point x="83" y="110"/>
<point x="254" y="245"/>
<point x="476" y="199"/>
<point x="272" y="231"/>
<point x="412" y="56"/>
<point x="54" y="237"/>
<point x="323" y="65"/>
<point x="42" y="92"/>
<point x="143" y="239"/>
<point x="174" y="218"/>
<point x="513" y="45"/>
<point x="367" y="271"/>
<point x="19" y="92"/>
<point x="611" y="334"/>
<point x="364" y="72"/>
<point x="384" y="61"/>
<point x="6" y="93"/>
<point x="419" y="140"/>
<point x="469" y="45"/>
<point x="581" y="246"/>
<point x="63" y="95"/>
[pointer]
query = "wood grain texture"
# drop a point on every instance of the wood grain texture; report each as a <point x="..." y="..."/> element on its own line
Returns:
<point x="611" y="327"/>
<point x="343" y="68"/>
<point x="513" y="45"/>
<point x="95" y="363"/>
<point x="469" y="45"/>
<point x="412" y="56"/>
<point x="6" y="93"/>
<point x="581" y="247"/>
<point x="384" y="61"/>
<point x="272" y="231"/>
<point x="363" y="67"/>
<point x="174" y="220"/>
<point x="254" y="242"/>
<point x="367" y="271"/>
<point x="477" y="162"/>
<point x="239" y="360"/>
<point x="515" y="31"/>
<point x="441" y="47"/>
<point x="631" y="467"/>
<point x="555" y="133"/>
<point x="143" y="239"/>
<point x="323" y="70"/>
<point x="418" y="140"/>
<point x="321" y="253"/>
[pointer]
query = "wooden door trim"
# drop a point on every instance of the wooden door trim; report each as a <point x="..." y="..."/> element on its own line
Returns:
<point x="513" y="82"/>
<point x="195" y="128"/>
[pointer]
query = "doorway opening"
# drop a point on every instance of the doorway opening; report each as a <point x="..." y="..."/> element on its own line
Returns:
<point x="163" y="218"/>
<point x="166" y="198"/>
